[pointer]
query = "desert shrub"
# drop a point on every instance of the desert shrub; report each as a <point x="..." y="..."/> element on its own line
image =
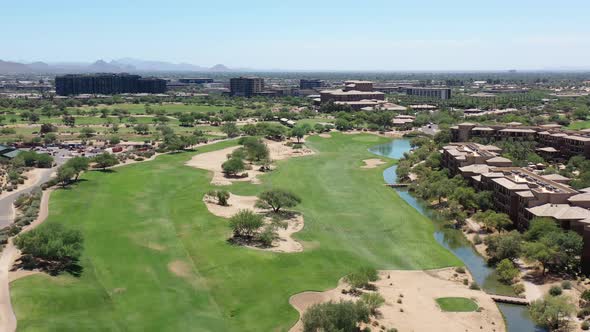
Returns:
<point x="555" y="291"/>
<point x="585" y="295"/>
<point x="221" y="195"/>
<point x="335" y="316"/>
<point x="585" y="326"/>
<point x="245" y="223"/>
<point x="465" y="282"/>
<point x="362" y="277"/>
<point x="373" y="301"/>
<point x="267" y="236"/>
<point x="460" y="269"/>
<point x="474" y="286"/>
<point x="477" y="239"/>
<point x="518" y="288"/>
<point x="583" y="313"/>
<point x="566" y="284"/>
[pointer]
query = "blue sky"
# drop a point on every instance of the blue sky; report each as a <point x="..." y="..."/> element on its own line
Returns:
<point x="305" y="35"/>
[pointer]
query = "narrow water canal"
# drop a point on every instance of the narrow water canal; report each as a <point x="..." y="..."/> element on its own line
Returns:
<point x="517" y="317"/>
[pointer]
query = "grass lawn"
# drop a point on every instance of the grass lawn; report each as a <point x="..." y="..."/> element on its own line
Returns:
<point x="156" y="260"/>
<point x="456" y="304"/>
<point x="168" y="107"/>
<point x="579" y="125"/>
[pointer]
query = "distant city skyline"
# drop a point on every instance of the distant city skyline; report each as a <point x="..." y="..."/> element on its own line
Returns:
<point x="305" y="35"/>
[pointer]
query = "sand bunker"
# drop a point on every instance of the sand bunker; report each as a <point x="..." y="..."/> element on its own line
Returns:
<point x="212" y="161"/>
<point x="420" y="311"/>
<point x="372" y="163"/>
<point x="285" y="242"/>
<point x="235" y="204"/>
<point x="325" y="135"/>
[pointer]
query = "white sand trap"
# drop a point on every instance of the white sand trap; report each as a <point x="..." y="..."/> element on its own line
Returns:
<point x="285" y="242"/>
<point x="420" y="311"/>
<point x="235" y="204"/>
<point x="372" y="163"/>
<point x="213" y="160"/>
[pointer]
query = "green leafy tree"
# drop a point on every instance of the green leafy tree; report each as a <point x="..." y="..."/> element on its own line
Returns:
<point x="141" y="129"/>
<point x="65" y="175"/>
<point x="507" y="271"/>
<point x="86" y="132"/>
<point x="552" y="312"/>
<point x="277" y="199"/>
<point x="233" y="166"/>
<point x="78" y="165"/>
<point x="298" y="132"/>
<point x="539" y="227"/>
<point x="504" y="246"/>
<point x="230" y="129"/>
<point x="105" y="160"/>
<point x="52" y="247"/>
<point x="245" y="224"/>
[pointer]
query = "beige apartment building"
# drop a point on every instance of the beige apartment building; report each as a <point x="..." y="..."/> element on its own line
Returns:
<point x="554" y="142"/>
<point x="522" y="194"/>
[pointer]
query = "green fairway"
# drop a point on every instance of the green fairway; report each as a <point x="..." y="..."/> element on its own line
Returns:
<point x="156" y="260"/>
<point x="456" y="304"/>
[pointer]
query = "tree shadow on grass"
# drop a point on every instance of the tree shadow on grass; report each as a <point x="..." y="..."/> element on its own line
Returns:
<point x="53" y="268"/>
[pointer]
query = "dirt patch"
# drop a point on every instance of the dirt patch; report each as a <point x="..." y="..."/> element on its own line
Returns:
<point x="372" y="163"/>
<point x="285" y="242"/>
<point x="417" y="291"/>
<point x="325" y="135"/>
<point x="155" y="246"/>
<point x="180" y="268"/>
<point x="213" y="160"/>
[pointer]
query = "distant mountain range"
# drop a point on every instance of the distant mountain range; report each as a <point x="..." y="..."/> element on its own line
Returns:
<point x="128" y="65"/>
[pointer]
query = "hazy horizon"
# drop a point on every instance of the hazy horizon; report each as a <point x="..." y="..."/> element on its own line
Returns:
<point x="332" y="35"/>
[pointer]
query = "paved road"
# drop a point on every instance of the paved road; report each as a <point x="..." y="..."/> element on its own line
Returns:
<point x="6" y="203"/>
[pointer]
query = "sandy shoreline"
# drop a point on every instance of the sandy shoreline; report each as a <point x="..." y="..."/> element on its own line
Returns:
<point x="419" y="289"/>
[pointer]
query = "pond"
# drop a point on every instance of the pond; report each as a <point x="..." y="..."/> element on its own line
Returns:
<point x="517" y="317"/>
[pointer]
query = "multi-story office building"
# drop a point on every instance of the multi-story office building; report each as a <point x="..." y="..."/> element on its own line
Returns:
<point x="436" y="93"/>
<point x="246" y="86"/>
<point x="310" y="84"/>
<point x="107" y="84"/>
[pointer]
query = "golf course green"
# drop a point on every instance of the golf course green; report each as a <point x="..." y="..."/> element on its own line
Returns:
<point x="155" y="259"/>
<point x="456" y="304"/>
